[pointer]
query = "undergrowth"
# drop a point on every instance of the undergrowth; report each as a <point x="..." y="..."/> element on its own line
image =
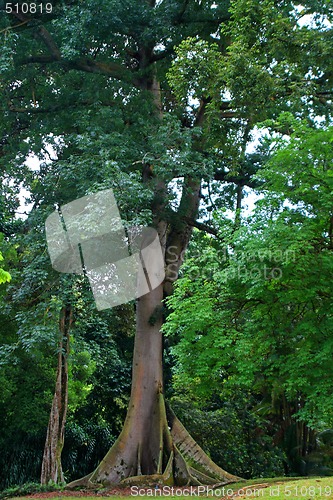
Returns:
<point x="29" y="488"/>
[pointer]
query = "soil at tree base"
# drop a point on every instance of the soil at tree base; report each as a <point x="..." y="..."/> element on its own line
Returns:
<point x="127" y="492"/>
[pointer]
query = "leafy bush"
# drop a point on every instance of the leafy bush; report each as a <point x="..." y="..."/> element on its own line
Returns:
<point x="21" y="459"/>
<point x="234" y="436"/>
<point x="85" y="446"/>
<point x="28" y="489"/>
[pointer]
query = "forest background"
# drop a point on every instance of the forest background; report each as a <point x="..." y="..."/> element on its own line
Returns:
<point x="184" y="108"/>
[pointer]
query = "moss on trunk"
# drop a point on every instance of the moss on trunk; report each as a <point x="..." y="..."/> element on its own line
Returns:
<point x="153" y="447"/>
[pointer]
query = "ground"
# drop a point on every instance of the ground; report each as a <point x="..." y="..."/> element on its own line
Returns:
<point x="283" y="488"/>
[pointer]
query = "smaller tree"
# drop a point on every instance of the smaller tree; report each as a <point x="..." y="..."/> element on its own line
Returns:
<point x="51" y="465"/>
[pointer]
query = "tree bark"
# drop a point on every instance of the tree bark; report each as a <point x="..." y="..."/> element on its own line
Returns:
<point x="51" y="465"/>
<point x="153" y="447"/>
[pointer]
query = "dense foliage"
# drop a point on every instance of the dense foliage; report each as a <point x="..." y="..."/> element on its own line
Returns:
<point x="248" y="344"/>
<point x="263" y="295"/>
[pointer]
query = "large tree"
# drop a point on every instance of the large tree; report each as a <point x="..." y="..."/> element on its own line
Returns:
<point x="153" y="99"/>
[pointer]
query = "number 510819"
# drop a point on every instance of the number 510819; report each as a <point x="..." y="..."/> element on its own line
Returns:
<point x="28" y="8"/>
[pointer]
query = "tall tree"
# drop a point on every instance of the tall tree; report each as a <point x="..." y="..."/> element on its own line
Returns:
<point x="95" y="82"/>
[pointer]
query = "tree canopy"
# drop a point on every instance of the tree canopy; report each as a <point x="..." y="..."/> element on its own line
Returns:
<point x="184" y="108"/>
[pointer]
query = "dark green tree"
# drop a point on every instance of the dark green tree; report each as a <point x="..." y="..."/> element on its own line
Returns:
<point x="104" y="87"/>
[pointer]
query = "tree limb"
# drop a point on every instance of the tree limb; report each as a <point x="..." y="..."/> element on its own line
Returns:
<point x="202" y="226"/>
<point x="84" y="64"/>
<point x="58" y="107"/>
<point x="87" y="65"/>
<point x="90" y="66"/>
<point x="36" y="60"/>
<point x="241" y="180"/>
<point x="181" y="230"/>
<point x="48" y="40"/>
<point x="13" y="27"/>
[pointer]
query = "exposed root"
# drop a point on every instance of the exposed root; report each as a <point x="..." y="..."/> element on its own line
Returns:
<point x="201" y="466"/>
<point x="83" y="481"/>
<point x="165" y="479"/>
<point x="139" y="459"/>
<point x="177" y="460"/>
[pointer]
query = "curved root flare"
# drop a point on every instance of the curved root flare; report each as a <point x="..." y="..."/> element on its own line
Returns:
<point x="163" y="454"/>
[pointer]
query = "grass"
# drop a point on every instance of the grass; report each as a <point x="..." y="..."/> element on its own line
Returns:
<point x="299" y="489"/>
<point x="271" y="488"/>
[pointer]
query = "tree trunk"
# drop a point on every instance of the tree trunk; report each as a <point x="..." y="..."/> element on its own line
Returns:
<point x="153" y="447"/>
<point x="51" y="465"/>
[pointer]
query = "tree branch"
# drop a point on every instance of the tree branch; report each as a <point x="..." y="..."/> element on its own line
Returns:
<point x="199" y="119"/>
<point x="87" y="65"/>
<point x="181" y="230"/>
<point x="59" y="107"/>
<point x="48" y="40"/>
<point x="241" y="180"/>
<point x="13" y="27"/>
<point x="202" y="226"/>
<point x="42" y="33"/>
<point x="36" y="60"/>
<point x="115" y="70"/>
<point x="84" y="64"/>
